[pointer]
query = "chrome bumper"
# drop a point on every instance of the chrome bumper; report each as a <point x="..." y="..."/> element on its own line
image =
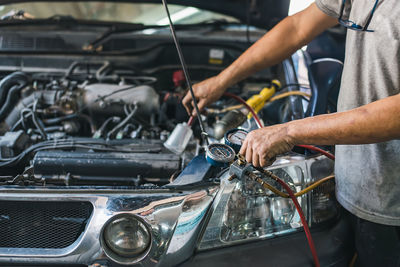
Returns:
<point x="174" y="219"/>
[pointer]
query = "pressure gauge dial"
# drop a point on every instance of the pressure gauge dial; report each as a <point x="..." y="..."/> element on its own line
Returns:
<point x="235" y="138"/>
<point x="220" y="155"/>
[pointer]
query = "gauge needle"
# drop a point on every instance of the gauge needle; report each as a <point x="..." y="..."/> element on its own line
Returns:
<point x="223" y="153"/>
<point x="220" y="153"/>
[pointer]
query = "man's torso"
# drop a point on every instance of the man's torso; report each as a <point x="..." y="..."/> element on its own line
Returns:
<point x="368" y="176"/>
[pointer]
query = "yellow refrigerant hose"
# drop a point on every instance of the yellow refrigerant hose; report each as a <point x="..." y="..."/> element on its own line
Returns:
<point x="257" y="102"/>
<point x="272" y="99"/>
<point x="298" y="194"/>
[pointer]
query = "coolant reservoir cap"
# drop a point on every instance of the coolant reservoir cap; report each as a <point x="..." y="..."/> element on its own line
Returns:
<point x="235" y="138"/>
<point x="220" y="155"/>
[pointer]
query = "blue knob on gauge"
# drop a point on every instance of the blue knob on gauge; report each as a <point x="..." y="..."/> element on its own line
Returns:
<point x="235" y="138"/>
<point x="220" y="155"/>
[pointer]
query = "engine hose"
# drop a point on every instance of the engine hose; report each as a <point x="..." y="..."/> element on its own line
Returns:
<point x="53" y="121"/>
<point x="10" y="87"/>
<point x="101" y="74"/>
<point x="123" y="123"/>
<point x="88" y="119"/>
<point x="9" y="81"/>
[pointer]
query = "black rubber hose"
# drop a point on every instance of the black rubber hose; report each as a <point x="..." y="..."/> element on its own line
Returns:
<point x="10" y="87"/>
<point x="12" y="99"/>
<point x="15" y="78"/>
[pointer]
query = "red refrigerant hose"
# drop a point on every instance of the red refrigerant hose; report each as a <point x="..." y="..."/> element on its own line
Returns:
<point x="284" y="185"/>
<point x="301" y="214"/>
<point x="190" y="121"/>
<point x="319" y="150"/>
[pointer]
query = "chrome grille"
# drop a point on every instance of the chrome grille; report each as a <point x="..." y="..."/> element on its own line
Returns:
<point x="42" y="224"/>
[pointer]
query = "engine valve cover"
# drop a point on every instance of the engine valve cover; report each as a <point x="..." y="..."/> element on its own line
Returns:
<point x="110" y="98"/>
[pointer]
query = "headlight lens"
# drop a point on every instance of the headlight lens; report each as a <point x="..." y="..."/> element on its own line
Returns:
<point x="251" y="212"/>
<point x="126" y="236"/>
<point x="244" y="211"/>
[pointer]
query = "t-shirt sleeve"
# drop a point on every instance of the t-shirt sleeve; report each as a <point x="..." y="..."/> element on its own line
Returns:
<point x="330" y="7"/>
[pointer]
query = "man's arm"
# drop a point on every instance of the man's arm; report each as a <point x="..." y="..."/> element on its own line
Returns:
<point x="283" y="40"/>
<point x="376" y="122"/>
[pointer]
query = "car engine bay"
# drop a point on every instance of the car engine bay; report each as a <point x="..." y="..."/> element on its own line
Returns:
<point x="98" y="124"/>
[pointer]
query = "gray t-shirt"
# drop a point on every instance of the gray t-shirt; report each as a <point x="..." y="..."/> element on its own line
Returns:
<point x="368" y="176"/>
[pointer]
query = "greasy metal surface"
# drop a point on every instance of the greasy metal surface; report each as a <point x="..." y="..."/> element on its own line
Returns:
<point x="110" y="98"/>
<point x="148" y="165"/>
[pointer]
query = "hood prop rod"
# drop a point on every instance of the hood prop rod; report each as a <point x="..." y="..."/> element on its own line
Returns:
<point x="185" y="71"/>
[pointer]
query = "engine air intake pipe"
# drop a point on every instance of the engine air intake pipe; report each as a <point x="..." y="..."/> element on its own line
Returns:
<point x="10" y="87"/>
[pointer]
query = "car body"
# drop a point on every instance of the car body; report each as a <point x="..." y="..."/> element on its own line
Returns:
<point x="86" y="106"/>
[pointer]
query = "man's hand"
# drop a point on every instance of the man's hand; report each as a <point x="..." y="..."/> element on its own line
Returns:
<point x="262" y="146"/>
<point x="206" y="92"/>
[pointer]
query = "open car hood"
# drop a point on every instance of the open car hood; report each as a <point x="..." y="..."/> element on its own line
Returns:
<point x="259" y="13"/>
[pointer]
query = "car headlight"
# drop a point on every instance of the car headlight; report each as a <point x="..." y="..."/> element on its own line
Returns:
<point x="244" y="211"/>
<point x="125" y="237"/>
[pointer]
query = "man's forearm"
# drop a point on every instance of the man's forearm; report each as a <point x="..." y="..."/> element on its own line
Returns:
<point x="283" y="40"/>
<point x="264" y="53"/>
<point x="376" y="122"/>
